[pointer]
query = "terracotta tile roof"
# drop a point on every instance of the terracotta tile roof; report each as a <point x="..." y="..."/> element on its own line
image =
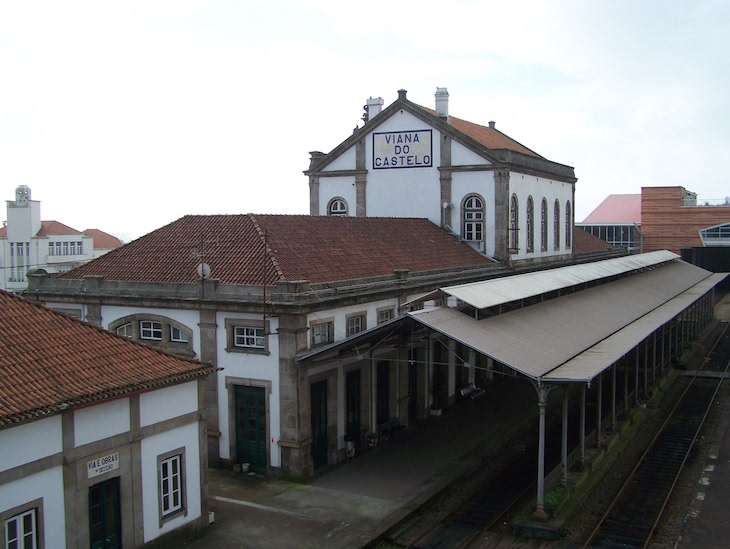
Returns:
<point x="585" y="242"/>
<point x="49" y="228"/>
<point x="102" y="240"/>
<point x="617" y="208"/>
<point x="298" y="247"/>
<point x="488" y="136"/>
<point x="50" y="361"/>
<point x="3" y="232"/>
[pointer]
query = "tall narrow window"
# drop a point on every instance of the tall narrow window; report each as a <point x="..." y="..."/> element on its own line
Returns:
<point x="556" y="225"/>
<point x="513" y="223"/>
<point x="530" y="215"/>
<point x="170" y="485"/>
<point x="21" y="530"/>
<point x="543" y="226"/>
<point x="473" y="219"/>
<point x="568" y="226"/>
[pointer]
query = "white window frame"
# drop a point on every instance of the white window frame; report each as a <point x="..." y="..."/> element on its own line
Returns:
<point x="322" y="332"/>
<point x="356" y="323"/>
<point x="514" y="224"/>
<point x="178" y="335"/>
<point x="32" y="509"/>
<point x="386" y="314"/>
<point x="473" y="219"/>
<point x="337" y="206"/>
<point x="149" y="328"/>
<point x="126" y="330"/>
<point x="249" y="337"/>
<point x="172" y="496"/>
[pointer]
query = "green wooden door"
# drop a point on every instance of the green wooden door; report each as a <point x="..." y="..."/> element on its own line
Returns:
<point x="251" y="427"/>
<point x="319" y="423"/>
<point x="105" y="515"/>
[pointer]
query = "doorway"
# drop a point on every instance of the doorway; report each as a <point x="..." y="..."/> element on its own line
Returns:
<point x="105" y="515"/>
<point x="251" y="427"/>
<point x="319" y="423"/>
<point x="352" y="388"/>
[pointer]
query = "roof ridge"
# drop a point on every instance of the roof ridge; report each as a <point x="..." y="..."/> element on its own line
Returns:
<point x="267" y="249"/>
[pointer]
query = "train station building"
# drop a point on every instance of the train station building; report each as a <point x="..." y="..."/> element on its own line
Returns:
<point x="419" y="278"/>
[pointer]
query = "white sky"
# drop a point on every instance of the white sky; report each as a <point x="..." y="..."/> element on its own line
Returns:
<point x="124" y="116"/>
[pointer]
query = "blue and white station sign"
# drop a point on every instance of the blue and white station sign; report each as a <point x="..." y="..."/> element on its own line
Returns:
<point x="409" y="149"/>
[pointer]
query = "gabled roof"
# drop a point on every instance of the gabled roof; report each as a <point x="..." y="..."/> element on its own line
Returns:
<point x="50" y="361"/>
<point x="102" y="240"/>
<point x="585" y="242"/>
<point x="493" y="145"/>
<point x="242" y="249"/>
<point x="49" y="228"/>
<point x="617" y="208"/>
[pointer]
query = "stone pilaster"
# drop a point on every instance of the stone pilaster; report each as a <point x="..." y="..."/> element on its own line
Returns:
<point x="361" y="180"/>
<point x="501" y="215"/>
<point x="209" y="353"/>
<point x="446" y="205"/>
<point x="295" y="407"/>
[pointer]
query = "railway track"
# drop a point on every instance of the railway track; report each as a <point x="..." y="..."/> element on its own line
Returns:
<point x="632" y="517"/>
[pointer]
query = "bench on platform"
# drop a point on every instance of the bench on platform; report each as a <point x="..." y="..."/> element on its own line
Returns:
<point x="471" y="391"/>
<point x="389" y="429"/>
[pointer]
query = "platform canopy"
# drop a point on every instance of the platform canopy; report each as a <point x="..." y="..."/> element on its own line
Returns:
<point x="565" y="339"/>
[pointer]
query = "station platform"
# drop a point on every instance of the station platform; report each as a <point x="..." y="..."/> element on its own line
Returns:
<point x="353" y="503"/>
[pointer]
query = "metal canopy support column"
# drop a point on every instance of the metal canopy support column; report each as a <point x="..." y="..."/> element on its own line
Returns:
<point x="626" y="384"/>
<point x="653" y="361"/>
<point x="636" y="388"/>
<point x="582" y="433"/>
<point x="543" y="391"/>
<point x="613" y="398"/>
<point x="599" y="405"/>
<point x="564" y="453"/>
<point x="646" y="368"/>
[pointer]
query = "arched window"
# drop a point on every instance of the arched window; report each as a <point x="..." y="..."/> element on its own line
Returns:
<point x="530" y="215"/>
<point x="543" y="226"/>
<point x="568" y="225"/>
<point x="556" y="225"/>
<point x="513" y="223"/>
<point x="337" y="206"/>
<point x="473" y="218"/>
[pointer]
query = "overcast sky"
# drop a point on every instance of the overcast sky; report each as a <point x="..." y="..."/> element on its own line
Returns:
<point x="124" y="116"/>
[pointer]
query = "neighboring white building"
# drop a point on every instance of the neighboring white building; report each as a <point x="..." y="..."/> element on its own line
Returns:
<point x="28" y="244"/>
<point x="102" y="441"/>
<point x="480" y="185"/>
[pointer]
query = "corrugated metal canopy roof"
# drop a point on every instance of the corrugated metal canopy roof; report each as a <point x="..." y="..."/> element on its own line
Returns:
<point x="591" y="362"/>
<point x="489" y="293"/>
<point x="536" y="340"/>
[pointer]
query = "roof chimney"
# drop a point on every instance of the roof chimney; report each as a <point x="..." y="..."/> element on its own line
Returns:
<point x="442" y="103"/>
<point x="491" y="124"/>
<point x="402" y="94"/>
<point x="373" y="107"/>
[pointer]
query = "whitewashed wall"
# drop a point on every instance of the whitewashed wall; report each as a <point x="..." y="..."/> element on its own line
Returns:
<point x="167" y="403"/>
<point x="48" y="485"/>
<point x="151" y="447"/>
<point x="101" y="421"/>
<point x="30" y="442"/>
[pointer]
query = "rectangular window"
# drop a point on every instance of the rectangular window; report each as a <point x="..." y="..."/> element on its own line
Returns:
<point x="150" y="329"/>
<point x="384" y="315"/>
<point x="51" y="248"/>
<point x="251" y="338"/>
<point x="176" y="334"/>
<point x="171" y="476"/>
<point x="355" y="325"/>
<point x="21" y="531"/>
<point x="170" y="486"/>
<point x="65" y="248"/>
<point x="322" y="333"/>
<point x="79" y="248"/>
<point x="58" y="248"/>
<point x="72" y="248"/>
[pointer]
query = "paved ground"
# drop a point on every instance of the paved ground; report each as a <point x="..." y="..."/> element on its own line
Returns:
<point x="355" y="502"/>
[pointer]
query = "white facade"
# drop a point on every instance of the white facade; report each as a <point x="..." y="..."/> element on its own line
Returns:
<point x="22" y="249"/>
<point x="49" y="468"/>
<point x="406" y="162"/>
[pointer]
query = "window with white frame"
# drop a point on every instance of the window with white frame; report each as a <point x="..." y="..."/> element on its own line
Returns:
<point x="126" y="330"/>
<point x="530" y="218"/>
<point x="473" y="219"/>
<point x="337" y="206"/>
<point x="22" y="531"/>
<point x="22" y="526"/>
<point x="171" y="475"/>
<point x="322" y="333"/>
<point x="384" y="315"/>
<point x="177" y="335"/>
<point x="543" y="225"/>
<point x="556" y="225"/>
<point x="247" y="336"/>
<point x="355" y="324"/>
<point x="568" y="225"/>
<point x="150" y="329"/>
<point x="513" y="224"/>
